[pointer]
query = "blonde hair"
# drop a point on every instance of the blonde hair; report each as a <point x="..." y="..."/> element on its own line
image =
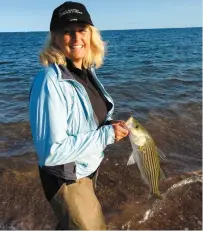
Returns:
<point x="94" y="56"/>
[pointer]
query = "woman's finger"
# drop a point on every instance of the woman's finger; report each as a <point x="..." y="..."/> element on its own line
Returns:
<point x="117" y="138"/>
<point x="122" y="130"/>
<point x="119" y="133"/>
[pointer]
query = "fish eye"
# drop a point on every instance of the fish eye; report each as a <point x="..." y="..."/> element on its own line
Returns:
<point x="137" y="126"/>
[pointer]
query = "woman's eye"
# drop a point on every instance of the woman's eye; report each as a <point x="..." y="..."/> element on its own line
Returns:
<point x="66" y="32"/>
<point x="82" y="30"/>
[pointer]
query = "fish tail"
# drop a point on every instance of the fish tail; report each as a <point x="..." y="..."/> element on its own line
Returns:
<point x="154" y="196"/>
<point x="154" y="191"/>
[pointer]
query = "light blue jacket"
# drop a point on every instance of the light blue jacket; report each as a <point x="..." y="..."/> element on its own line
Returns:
<point x="63" y="123"/>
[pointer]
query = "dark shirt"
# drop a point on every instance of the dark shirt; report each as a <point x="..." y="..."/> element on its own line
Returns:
<point x="99" y="103"/>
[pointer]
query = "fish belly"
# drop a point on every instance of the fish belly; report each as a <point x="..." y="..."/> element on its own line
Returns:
<point x="137" y="157"/>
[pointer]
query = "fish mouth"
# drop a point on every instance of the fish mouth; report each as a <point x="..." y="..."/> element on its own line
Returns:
<point x="129" y="122"/>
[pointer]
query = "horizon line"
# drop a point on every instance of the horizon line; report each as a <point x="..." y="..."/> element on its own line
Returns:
<point x="109" y="29"/>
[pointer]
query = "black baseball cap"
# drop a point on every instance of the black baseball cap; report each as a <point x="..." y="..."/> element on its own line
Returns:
<point x="69" y="12"/>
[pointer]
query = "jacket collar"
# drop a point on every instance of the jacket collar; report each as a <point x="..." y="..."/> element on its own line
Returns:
<point x="64" y="74"/>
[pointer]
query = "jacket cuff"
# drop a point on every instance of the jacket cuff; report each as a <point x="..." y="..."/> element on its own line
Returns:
<point x="111" y="135"/>
<point x="108" y="122"/>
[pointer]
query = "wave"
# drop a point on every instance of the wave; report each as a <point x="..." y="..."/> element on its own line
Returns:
<point x="10" y="79"/>
<point x="180" y="195"/>
<point x="8" y="74"/>
<point x="181" y="80"/>
<point x="6" y="62"/>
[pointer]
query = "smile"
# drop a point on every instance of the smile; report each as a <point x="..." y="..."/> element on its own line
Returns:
<point x="76" y="47"/>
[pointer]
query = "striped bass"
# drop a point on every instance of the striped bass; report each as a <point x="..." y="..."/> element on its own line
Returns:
<point x="146" y="156"/>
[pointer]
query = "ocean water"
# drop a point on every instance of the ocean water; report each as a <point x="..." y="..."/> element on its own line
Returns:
<point x="153" y="74"/>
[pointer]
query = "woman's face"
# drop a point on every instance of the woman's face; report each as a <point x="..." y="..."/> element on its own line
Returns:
<point x="74" y="42"/>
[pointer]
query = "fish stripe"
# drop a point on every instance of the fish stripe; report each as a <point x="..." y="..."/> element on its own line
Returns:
<point x="151" y="165"/>
<point x="156" y="168"/>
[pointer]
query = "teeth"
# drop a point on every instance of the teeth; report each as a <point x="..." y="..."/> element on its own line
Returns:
<point x="77" y="47"/>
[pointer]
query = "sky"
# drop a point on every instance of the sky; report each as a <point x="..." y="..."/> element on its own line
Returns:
<point x="35" y="15"/>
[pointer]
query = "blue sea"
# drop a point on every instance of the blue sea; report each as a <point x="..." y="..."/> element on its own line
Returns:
<point x="153" y="74"/>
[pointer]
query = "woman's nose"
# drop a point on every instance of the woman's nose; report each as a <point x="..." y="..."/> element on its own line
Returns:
<point x="74" y="34"/>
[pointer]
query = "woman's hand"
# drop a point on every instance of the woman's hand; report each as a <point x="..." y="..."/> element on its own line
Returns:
<point x="120" y="129"/>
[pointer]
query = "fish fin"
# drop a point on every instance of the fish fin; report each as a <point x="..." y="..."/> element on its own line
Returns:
<point x="153" y="197"/>
<point x="161" y="155"/>
<point x="131" y="160"/>
<point x="162" y="175"/>
<point x="141" y="148"/>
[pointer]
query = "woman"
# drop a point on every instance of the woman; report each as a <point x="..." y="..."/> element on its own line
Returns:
<point x="70" y="117"/>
